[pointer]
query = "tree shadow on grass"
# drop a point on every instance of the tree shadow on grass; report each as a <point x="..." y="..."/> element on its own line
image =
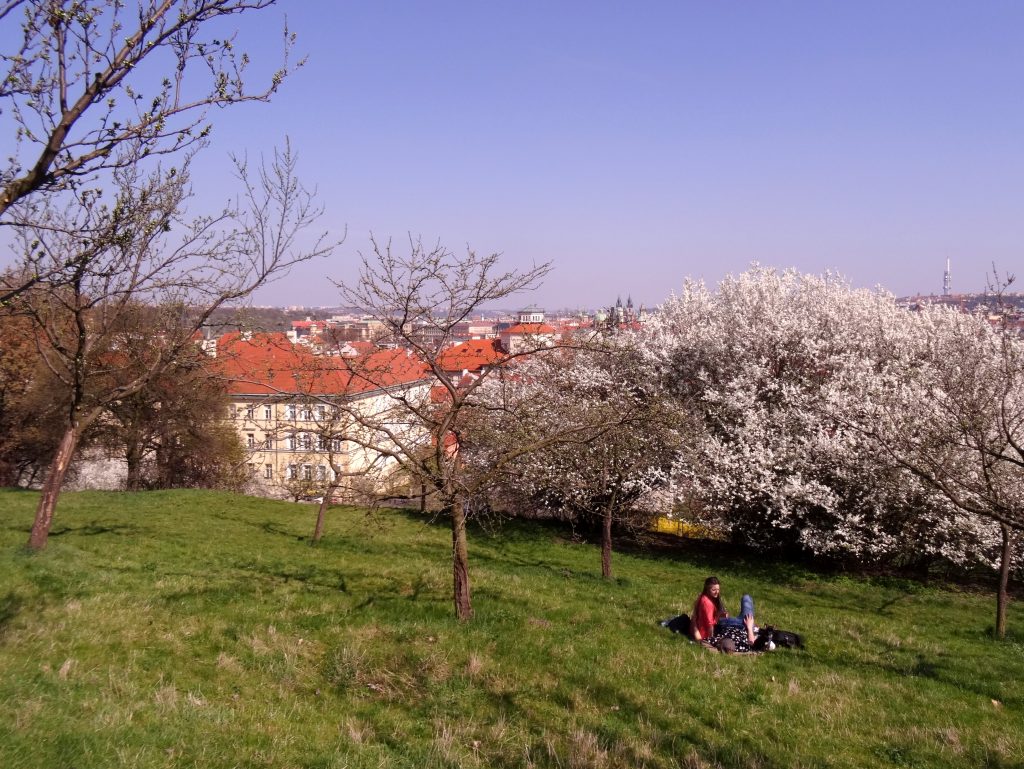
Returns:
<point x="267" y="526"/>
<point x="333" y="580"/>
<point x="677" y="731"/>
<point x="885" y="606"/>
<point x="913" y="664"/>
<point x="95" y="530"/>
<point x="272" y="527"/>
<point x="10" y="605"/>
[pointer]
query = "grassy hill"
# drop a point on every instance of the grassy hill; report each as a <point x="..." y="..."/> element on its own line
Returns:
<point x="181" y="629"/>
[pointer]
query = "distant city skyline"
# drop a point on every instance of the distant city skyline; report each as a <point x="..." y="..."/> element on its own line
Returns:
<point x="530" y="297"/>
<point x="636" y="145"/>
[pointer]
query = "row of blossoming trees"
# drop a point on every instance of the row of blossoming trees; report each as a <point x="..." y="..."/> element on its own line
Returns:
<point x="790" y="412"/>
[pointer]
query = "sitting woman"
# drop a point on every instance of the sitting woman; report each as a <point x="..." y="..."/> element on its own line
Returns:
<point x="711" y="623"/>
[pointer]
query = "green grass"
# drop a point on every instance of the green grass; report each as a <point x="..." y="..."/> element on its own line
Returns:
<point x="194" y="629"/>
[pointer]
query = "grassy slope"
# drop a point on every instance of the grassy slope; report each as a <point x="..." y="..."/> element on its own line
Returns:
<point x="199" y="629"/>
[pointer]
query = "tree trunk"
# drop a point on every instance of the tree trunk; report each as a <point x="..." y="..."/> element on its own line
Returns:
<point x="133" y="458"/>
<point x="51" y="489"/>
<point x="460" y="562"/>
<point x="606" y="543"/>
<point x="1002" y="596"/>
<point x="321" y="515"/>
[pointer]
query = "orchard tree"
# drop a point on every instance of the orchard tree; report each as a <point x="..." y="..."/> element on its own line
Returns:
<point x="950" y="411"/>
<point x="625" y="437"/>
<point x="106" y="259"/>
<point x="428" y="433"/>
<point x="763" y="364"/>
<point x="171" y="432"/>
<point x="419" y="299"/>
<point x="30" y="423"/>
<point x="325" y="468"/>
<point x="95" y="88"/>
<point x="108" y="102"/>
<point x="834" y="421"/>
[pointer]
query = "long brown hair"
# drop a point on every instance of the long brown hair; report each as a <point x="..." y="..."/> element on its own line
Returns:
<point x="717" y="601"/>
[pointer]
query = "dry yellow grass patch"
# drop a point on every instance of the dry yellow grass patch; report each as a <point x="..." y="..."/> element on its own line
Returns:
<point x="166" y="698"/>
<point x="585" y="751"/>
<point x="226" y="662"/>
<point x="358" y="731"/>
<point x="474" y="666"/>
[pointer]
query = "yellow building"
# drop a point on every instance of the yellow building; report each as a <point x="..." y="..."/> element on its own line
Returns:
<point x="305" y="419"/>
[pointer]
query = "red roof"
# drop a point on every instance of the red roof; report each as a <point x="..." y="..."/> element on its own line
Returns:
<point x="472" y="355"/>
<point x="439" y="394"/>
<point x="270" y="364"/>
<point x="530" y="328"/>
<point x="351" y="349"/>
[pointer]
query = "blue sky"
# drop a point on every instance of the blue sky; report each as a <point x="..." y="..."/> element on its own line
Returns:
<point x="635" y="144"/>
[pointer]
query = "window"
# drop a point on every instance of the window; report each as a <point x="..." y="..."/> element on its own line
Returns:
<point x="321" y="413"/>
<point x="307" y="472"/>
<point x="307" y="413"/>
<point x="321" y="473"/>
<point x="252" y="468"/>
<point x="269" y="443"/>
<point x="250" y="441"/>
<point x="292" y="472"/>
<point x="305" y="441"/>
<point x="321" y="443"/>
<point x="336" y="445"/>
<point x="268" y="413"/>
<point x="250" y="412"/>
<point x="291" y="411"/>
<point x="290" y="442"/>
<point x="233" y="411"/>
<point x="268" y="471"/>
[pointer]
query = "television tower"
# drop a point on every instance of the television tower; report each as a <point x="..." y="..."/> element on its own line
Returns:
<point x="947" y="281"/>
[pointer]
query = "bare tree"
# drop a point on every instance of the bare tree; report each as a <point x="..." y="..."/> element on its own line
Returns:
<point x="419" y="299"/>
<point x="30" y="424"/>
<point x="324" y="469"/>
<point x="83" y="102"/>
<point x="430" y="433"/>
<point x="104" y="260"/>
<point x="171" y="433"/>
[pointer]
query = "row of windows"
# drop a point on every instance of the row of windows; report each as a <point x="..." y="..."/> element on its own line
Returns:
<point x="293" y="412"/>
<point x="296" y="442"/>
<point x="307" y="472"/>
<point x="294" y="472"/>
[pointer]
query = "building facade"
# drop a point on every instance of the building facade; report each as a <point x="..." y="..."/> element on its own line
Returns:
<point x="309" y="422"/>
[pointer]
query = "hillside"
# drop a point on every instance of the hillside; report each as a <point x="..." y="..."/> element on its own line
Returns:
<point x="174" y="629"/>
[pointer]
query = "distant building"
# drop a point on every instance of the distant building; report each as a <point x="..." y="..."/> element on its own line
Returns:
<point x="467" y="330"/>
<point x="531" y="331"/>
<point x="284" y="402"/>
<point x="467" y="361"/>
<point x="620" y="315"/>
<point x="531" y="314"/>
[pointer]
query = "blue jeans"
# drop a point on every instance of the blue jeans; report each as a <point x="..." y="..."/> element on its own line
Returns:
<point x="746" y="607"/>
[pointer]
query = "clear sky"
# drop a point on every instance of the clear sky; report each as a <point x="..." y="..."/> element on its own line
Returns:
<point x="634" y="144"/>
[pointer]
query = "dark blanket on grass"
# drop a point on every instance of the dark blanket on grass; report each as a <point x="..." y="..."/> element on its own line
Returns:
<point x="768" y="637"/>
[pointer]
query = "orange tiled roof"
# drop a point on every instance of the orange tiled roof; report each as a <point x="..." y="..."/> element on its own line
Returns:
<point x="270" y="364"/>
<point x="472" y="355"/>
<point x="530" y="328"/>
